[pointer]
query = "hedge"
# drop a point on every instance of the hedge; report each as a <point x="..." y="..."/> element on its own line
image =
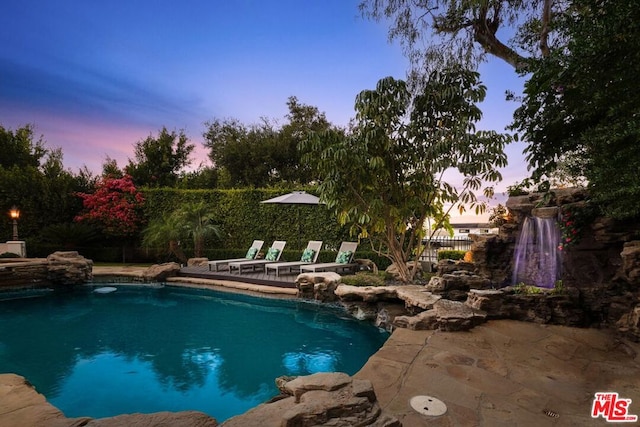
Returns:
<point x="242" y="218"/>
<point x="453" y="254"/>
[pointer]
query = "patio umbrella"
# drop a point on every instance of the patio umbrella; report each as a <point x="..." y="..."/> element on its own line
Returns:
<point x="295" y="198"/>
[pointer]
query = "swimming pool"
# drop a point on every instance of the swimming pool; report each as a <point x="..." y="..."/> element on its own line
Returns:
<point x="150" y="349"/>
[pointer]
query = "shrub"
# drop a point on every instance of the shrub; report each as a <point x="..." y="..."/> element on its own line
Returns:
<point x="364" y="279"/>
<point x="9" y="255"/>
<point x="453" y="254"/>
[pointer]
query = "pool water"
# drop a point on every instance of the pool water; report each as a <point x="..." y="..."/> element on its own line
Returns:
<point x="146" y="349"/>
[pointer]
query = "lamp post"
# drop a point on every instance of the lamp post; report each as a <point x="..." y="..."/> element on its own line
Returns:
<point x="14" y="213"/>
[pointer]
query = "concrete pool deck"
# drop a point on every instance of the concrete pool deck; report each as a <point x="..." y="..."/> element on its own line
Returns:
<point x="501" y="373"/>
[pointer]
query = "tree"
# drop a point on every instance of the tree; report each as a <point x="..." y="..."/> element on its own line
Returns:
<point x="388" y="175"/>
<point x="438" y="31"/>
<point x="159" y="160"/>
<point x="165" y="231"/>
<point x="243" y="152"/>
<point x="115" y="207"/>
<point x="33" y="178"/>
<point x="302" y="121"/>
<point x="264" y="154"/>
<point x="111" y="169"/>
<point x="196" y="220"/>
<point x="20" y="149"/>
<point x="205" y="177"/>
<point x="190" y="221"/>
<point x="582" y="102"/>
<point x="579" y="112"/>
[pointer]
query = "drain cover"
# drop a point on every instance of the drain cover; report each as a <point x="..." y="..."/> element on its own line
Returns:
<point x="105" y="290"/>
<point x="427" y="405"/>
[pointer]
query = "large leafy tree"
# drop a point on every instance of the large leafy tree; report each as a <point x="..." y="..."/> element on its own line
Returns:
<point x="263" y="154"/>
<point x="389" y="174"/>
<point x="441" y="31"/>
<point x="33" y="178"/>
<point x="241" y="152"/>
<point x="582" y="104"/>
<point x="580" y="110"/>
<point x="302" y="120"/>
<point x="20" y="148"/>
<point x="159" y="160"/>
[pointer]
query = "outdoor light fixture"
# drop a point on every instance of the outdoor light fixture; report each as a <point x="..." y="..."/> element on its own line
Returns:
<point x="14" y="213"/>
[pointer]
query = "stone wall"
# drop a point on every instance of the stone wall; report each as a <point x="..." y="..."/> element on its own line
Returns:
<point x="16" y="273"/>
<point x="60" y="268"/>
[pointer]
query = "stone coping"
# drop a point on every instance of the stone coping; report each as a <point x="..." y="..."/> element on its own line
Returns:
<point x="12" y="262"/>
<point x="214" y="284"/>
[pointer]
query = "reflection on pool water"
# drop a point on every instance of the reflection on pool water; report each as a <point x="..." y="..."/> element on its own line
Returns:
<point x="143" y="349"/>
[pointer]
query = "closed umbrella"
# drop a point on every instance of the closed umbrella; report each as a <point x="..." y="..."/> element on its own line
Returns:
<point x="295" y="198"/>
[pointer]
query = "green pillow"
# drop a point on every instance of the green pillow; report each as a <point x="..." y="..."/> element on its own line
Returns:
<point x="307" y="255"/>
<point x="251" y="253"/>
<point x="343" y="257"/>
<point x="272" y="254"/>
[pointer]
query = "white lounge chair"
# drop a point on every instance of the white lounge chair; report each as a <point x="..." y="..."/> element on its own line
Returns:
<point x="309" y="256"/>
<point x="273" y="255"/>
<point x="252" y="253"/>
<point x="343" y="262"/>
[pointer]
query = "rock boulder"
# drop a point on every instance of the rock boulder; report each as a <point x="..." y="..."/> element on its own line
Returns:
<point x="69" y="268"/>
<point x="323" y="399"/>
<point x="160" y="272"/>
<point x="630" y="268"/>
<point x="455" y="285"/>
<point x="629" y="324"/>
<point x="197" y="262"/>
<point x="445" y="315"/>
<point x="318" y="286"/>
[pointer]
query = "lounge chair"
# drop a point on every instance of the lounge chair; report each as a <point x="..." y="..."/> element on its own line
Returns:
<point x="309" y="256"/>
<point x="252" y="253"/>
<point x="273" y="255"/>
<point x="343" y="262"/>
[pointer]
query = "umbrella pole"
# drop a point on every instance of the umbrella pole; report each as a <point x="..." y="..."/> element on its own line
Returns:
<point x="299" y="229"/>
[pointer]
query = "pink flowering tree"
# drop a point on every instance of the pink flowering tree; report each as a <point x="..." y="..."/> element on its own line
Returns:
<point x="115" y="207"/>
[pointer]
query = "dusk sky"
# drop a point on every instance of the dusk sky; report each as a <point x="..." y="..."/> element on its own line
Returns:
<point x="94" y="78"/>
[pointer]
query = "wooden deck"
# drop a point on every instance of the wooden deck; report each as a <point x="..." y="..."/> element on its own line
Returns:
<point x="257" y="278"/>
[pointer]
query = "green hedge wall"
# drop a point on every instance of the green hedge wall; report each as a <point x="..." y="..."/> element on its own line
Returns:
<point x="243" y="218"/>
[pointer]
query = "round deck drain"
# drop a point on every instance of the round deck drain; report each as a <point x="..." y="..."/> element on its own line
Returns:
<point x="427" y="405"/>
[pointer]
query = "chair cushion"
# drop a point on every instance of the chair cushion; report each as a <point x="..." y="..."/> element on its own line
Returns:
<point x="343" y="257"/>
<point x="307" y="255"/>
<point x="251" y="253"/>
<point x="272" y="254"/>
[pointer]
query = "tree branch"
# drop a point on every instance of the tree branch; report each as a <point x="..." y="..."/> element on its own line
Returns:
<point x="484" y="33"/>
<point x="544" y="31"/>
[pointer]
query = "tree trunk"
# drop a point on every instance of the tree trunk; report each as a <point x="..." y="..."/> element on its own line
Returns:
<point x="398" y="257"/>
<point x="175" y="249"/>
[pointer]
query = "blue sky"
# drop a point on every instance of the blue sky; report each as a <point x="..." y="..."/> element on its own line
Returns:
<point x="96" y="77"/>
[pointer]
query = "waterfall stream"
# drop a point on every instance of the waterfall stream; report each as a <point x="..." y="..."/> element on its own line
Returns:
<point x="537" y="260"/>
